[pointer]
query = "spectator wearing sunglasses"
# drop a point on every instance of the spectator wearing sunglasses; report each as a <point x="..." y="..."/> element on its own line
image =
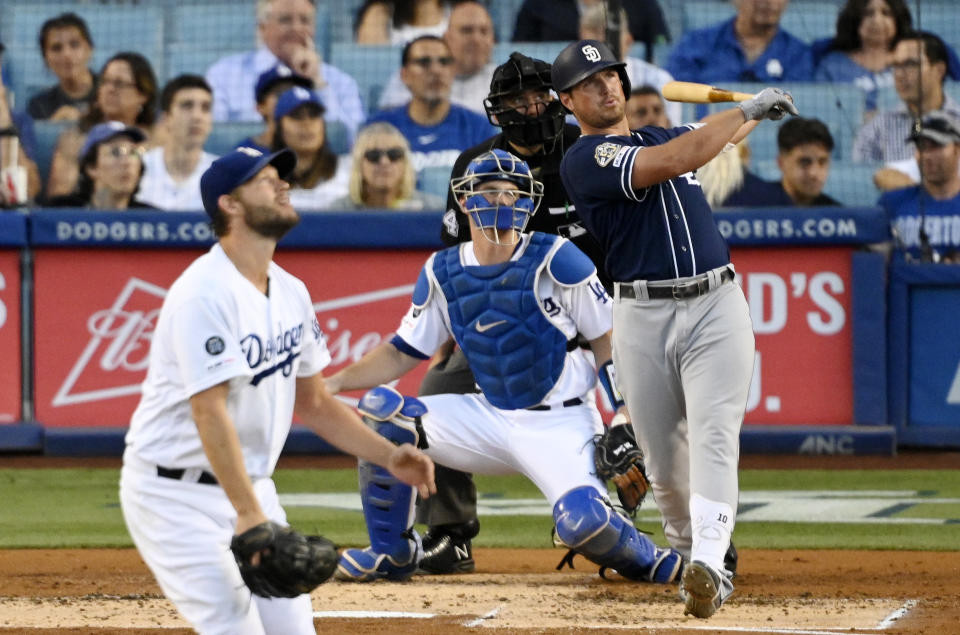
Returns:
<point x="320" y="176"/>
<point x="111" y="166"/>
<point x="382" y="176"/>
<point x="436" y="129"/>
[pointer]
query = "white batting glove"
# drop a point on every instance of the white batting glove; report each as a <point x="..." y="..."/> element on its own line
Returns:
<point x="769" y="103"/>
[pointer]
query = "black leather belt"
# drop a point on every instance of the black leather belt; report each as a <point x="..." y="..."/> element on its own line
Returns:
<point x="576" y="401"/>
<point x="681" y="291"/>
<point x="177" y="474"/>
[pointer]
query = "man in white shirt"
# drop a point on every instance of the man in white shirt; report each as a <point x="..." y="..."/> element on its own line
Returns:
<point x="171" y="172"/>
<point x="236" y="352"/>
<point x="286" y="29"/>
<point x="470" y="38"/>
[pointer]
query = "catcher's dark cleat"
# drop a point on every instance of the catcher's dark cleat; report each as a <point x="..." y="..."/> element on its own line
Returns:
<point x="447" y="549"/>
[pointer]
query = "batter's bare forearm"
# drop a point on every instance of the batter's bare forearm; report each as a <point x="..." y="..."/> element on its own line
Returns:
<point x="222" y="447"/>
<point x="686" y="153"/>
<point x="381" y="365"/>
<point x="602" y="349"/>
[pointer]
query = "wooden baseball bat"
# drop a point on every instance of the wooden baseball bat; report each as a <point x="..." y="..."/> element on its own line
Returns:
<point x="693" y="93"/>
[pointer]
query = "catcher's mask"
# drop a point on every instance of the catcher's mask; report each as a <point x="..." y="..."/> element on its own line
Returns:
<point x="517" y="74"/>
<point x="499" y="193"/>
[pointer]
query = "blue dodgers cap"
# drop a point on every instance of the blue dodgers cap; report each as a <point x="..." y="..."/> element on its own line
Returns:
<point x="294" y="98"/>
<point x="107" y="131"/>
<point x="279" y="73"/>
<point x="236" y="168"/>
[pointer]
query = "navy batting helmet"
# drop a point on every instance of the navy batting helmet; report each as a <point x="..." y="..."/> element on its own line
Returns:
<point x="582" y="59"/>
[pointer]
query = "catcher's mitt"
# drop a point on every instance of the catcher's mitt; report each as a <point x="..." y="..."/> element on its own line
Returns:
<point x="617" y="458"/>
<point x="290" y="563"/>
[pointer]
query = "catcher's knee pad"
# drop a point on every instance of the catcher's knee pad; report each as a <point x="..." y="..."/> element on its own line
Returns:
<point x="388" y="504"/>
<point x="589" y="526"/>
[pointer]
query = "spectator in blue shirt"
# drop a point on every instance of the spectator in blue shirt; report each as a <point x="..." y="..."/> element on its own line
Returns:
<point x="270" y="85"/>
<point x="804" y="160"/>
<point x="859" y="54"/>
<point x="16" y="139"/>
<point x="925" y="218"/>
<point x="749" y="47"/>
<point x="438" y="130"/>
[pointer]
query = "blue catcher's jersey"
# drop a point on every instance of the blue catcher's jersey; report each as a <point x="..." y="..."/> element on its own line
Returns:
<point x="661" y="232"/>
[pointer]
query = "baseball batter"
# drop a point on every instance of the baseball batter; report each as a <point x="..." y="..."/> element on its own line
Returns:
<point x="682" y="338"/>
<point x="236" y="351"/>
<point x="514" y="303"/>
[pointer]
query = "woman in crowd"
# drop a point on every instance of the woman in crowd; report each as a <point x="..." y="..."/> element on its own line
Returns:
<point x="111" y="166"/>
<point x="320" y="177"/>
<point x="66" y="46"/>
<point x="859" y="53"/>
<point x="383" y="176"/>
<point x="126" y="92"/>
<point x="399" y="21"/>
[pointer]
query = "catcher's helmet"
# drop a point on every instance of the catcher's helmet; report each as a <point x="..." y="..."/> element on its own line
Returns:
<point x="517" y="74"/>
<point x="498" y="208"/>
<point x="582" y="59"/>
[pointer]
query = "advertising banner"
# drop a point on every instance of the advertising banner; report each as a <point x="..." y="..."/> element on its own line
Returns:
<point x="800" y="304"/>
<point x="96" y="311"/>
<point x="10" y="369"/>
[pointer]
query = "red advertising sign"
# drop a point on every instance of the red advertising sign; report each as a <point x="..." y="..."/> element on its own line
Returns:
<point x="800" y="303"/>
<point x="96" y="310"/>
<point x="10" y="378"/>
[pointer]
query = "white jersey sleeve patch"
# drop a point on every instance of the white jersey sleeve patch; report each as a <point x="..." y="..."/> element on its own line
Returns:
<point x="206" y="347"/>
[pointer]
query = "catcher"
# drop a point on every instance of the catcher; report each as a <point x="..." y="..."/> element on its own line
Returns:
<point x="515" y="302"/>
<point x="236" y="351"/>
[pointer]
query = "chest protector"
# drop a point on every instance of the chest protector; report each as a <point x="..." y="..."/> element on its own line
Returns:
<point x="515" y="352"/>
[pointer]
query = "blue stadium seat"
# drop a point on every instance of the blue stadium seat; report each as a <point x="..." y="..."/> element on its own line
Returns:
<point x="227" y="134"/>
<point x="808" y="21"/>
<point x="47" y="133"/>
<point x="852" y="184"/>
<point x="336" y="132"/>
<point x="114" y="29"/>
<point x="504" y="16"/>
<point x="222" y="26"/>
<point x="546" y="51"/>
<point x="371" y="66"/>
<point x="188" y="58"/>
<point x="839" y="106"/>
<point x="343" y="13"/>
<point x="435" y="180"/>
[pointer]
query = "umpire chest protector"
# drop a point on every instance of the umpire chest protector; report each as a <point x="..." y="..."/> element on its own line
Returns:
<point x="515" y="352"/>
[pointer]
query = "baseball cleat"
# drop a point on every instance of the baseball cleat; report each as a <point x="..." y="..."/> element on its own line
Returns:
<point x="447" y="548"/>
<point x="366" y="565"/>
<point x="703" y="589"/>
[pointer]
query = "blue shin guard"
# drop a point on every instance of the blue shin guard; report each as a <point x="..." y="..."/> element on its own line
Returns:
<point x="589" y="526"/>
<point x="388" y="504"/>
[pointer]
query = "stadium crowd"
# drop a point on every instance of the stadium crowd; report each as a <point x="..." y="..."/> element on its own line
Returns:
<point x="418" y="72"/>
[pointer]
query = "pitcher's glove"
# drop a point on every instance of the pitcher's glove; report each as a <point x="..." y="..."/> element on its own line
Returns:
<point x="617" y="458"/>
<point x="289" y="564"/>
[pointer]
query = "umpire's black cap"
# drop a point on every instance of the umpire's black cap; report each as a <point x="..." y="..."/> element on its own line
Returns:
<point x="582" y="59"/>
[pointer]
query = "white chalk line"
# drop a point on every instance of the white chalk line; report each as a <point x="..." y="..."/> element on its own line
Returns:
<point x="901" y="612"/>
<point x="486" y="616"/>
<point x="373" y="614"/>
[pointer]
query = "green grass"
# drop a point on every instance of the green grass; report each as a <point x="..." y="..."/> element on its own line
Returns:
<point x="79" y="508"/>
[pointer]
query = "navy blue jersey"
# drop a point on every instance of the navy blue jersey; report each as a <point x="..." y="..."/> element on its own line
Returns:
<point x="661" y="232"/>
